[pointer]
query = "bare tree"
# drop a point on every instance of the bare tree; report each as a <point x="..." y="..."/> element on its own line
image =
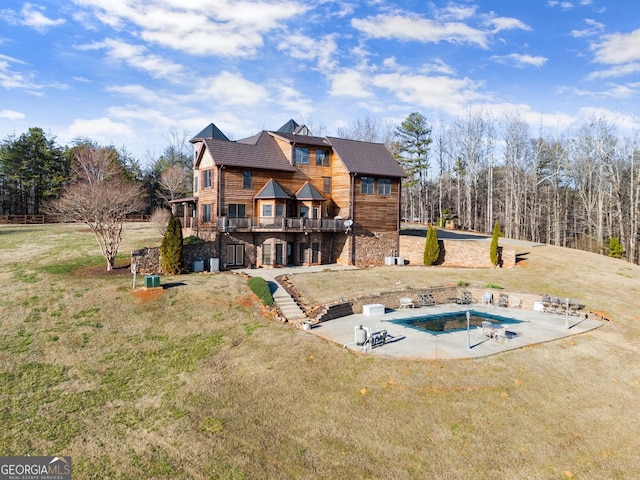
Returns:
<point x="101" y="198"/>
<point x="174" y="182"/>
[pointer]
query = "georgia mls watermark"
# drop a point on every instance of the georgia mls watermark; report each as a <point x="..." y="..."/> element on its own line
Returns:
<point x="35" y="468"/>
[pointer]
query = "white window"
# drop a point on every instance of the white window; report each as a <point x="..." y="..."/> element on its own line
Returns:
<point x="367" y="184"/>
<point x="267" y="210"/>
<point x="384" y="186"/>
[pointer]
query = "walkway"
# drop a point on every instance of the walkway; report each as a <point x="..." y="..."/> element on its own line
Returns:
<point x="285" y="302"/>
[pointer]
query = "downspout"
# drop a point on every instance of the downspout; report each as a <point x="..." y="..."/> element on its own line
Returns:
<point x="352" y="208"/>
<point x="399" y="222"/>
<point x="218" y="205"/>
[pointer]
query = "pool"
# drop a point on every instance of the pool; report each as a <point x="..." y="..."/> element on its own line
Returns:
<point x="447" y="322"/>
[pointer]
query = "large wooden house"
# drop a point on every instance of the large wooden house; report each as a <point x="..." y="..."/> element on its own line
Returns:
<point x="286" y="197"/>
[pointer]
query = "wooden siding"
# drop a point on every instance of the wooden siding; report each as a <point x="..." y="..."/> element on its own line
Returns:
<point x="375" y="212"/>
<point x="371" y="212"/>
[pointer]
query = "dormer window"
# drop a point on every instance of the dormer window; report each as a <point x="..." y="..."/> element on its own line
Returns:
<point x="301" y="156"/>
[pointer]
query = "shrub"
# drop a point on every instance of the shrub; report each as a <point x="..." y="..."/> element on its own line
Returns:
<point x="493" y="249"/>
<point x="431" y="247"/>
<point x="192" y="239"/>
<point x="171" y="248"/>
<point x="260" y="287"/>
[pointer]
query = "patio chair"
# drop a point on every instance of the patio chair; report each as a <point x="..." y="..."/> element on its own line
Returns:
<point x="426" y="300"/>
<point x="574" y="307"/>
<point x="406" y="302"/>
<point x="555" y="305"/>
<point x="466" y="298"/>
<point x="503" y="301"/>
<point x="487" y="298"/>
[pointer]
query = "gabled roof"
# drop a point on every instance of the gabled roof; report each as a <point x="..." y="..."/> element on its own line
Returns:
<point x="210" y="131"/>
<point x="296" y="139"/>
<point x="271" y="190"/>
<point x="259" y="151"/>
<point x="366" y="158"/>
<point x="309" y="192"/>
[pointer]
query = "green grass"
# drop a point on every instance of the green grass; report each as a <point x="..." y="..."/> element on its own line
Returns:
<point x="195" y="383"/>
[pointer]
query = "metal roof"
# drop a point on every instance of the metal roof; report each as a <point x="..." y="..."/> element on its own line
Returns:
<point x="272" y="189"/>
<point x="210" y="131"/>
<point x="309" y="192"/>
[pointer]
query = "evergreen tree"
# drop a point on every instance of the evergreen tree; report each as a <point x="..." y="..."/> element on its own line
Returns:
<point x="616" y="250"/>
<point x="493" y="249"/>
<point x="431" y="247"/>
<point x="171" y="248"/>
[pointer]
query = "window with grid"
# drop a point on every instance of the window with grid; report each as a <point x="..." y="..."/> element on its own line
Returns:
<point x="206" y="212"/>
<point x="206" y="179"/>
<point x="367" y="184"/>
<point x="237" y="210"/>
<point x="301" y="156"/>
<point x="322" y="158"/>
<point x="384" y="186"/>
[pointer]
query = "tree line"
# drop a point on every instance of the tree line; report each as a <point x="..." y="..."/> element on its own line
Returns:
<point x="578" y="188"/>
<point x="34" y="170"/>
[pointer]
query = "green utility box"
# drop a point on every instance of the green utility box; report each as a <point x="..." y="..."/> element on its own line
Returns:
<point x="151" y="281"/>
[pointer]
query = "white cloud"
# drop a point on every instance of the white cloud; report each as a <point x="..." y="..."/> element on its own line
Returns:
<point x="616" y="71"/>
<point x="439" y="93"/>
<point x="618" y="48"/>
<point x="229" y="28"/>
<point x="303" y="47"/>
<point x="104" y="130"/>
<point x="31" y="16"/>
<point x="137" y="56"/>
<point x="562" y="5"/>
<point x="230" y="89"/>
<point x="414" y="28"/>
<point x="11" y="79"/>
<point x="520" y="60"/>
<point x="12" y="115"/>
<point x="593" y="28"/>
<point x="349" y="82"/>
<point x="506" y="23"/>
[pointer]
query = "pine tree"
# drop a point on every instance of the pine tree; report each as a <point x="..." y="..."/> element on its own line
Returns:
<point x="493" y="249"/>
<point x="171" y="248"/>
<point x="431" y="247"/>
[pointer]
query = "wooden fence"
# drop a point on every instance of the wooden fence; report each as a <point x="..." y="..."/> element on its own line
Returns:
<point x="40" y="219"/>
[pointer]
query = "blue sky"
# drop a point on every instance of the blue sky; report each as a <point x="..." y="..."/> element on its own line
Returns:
<point x="130" y="72"/>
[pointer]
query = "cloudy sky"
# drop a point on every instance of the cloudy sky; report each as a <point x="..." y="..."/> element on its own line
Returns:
<point x="129" y="72"/>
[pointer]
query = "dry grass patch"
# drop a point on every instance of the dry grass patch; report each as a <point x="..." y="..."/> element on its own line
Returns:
<point x="196" y="383"/>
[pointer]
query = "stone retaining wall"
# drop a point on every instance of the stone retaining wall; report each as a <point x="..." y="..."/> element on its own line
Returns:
<point x="442" y="295"/>
<point x="148" y="259"/>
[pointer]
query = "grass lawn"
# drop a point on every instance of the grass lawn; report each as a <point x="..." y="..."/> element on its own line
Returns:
<point x="196" y="382"/>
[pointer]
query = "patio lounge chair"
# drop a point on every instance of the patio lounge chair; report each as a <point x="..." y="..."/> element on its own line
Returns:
<point x="426" y="300"/>
<point x="406" y="302"/>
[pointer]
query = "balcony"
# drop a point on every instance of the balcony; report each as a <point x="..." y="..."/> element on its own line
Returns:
<point x="279" y="224"/>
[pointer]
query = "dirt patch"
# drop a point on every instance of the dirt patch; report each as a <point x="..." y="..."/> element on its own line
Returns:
<point x="148" y="294"/>
<point x="122" y="269"/>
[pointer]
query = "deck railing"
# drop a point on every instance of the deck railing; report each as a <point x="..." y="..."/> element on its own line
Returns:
<point x="279" y="224"/>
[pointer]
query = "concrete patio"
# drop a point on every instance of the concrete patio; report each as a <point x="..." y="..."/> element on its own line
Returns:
<point x="410" y="343"/>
